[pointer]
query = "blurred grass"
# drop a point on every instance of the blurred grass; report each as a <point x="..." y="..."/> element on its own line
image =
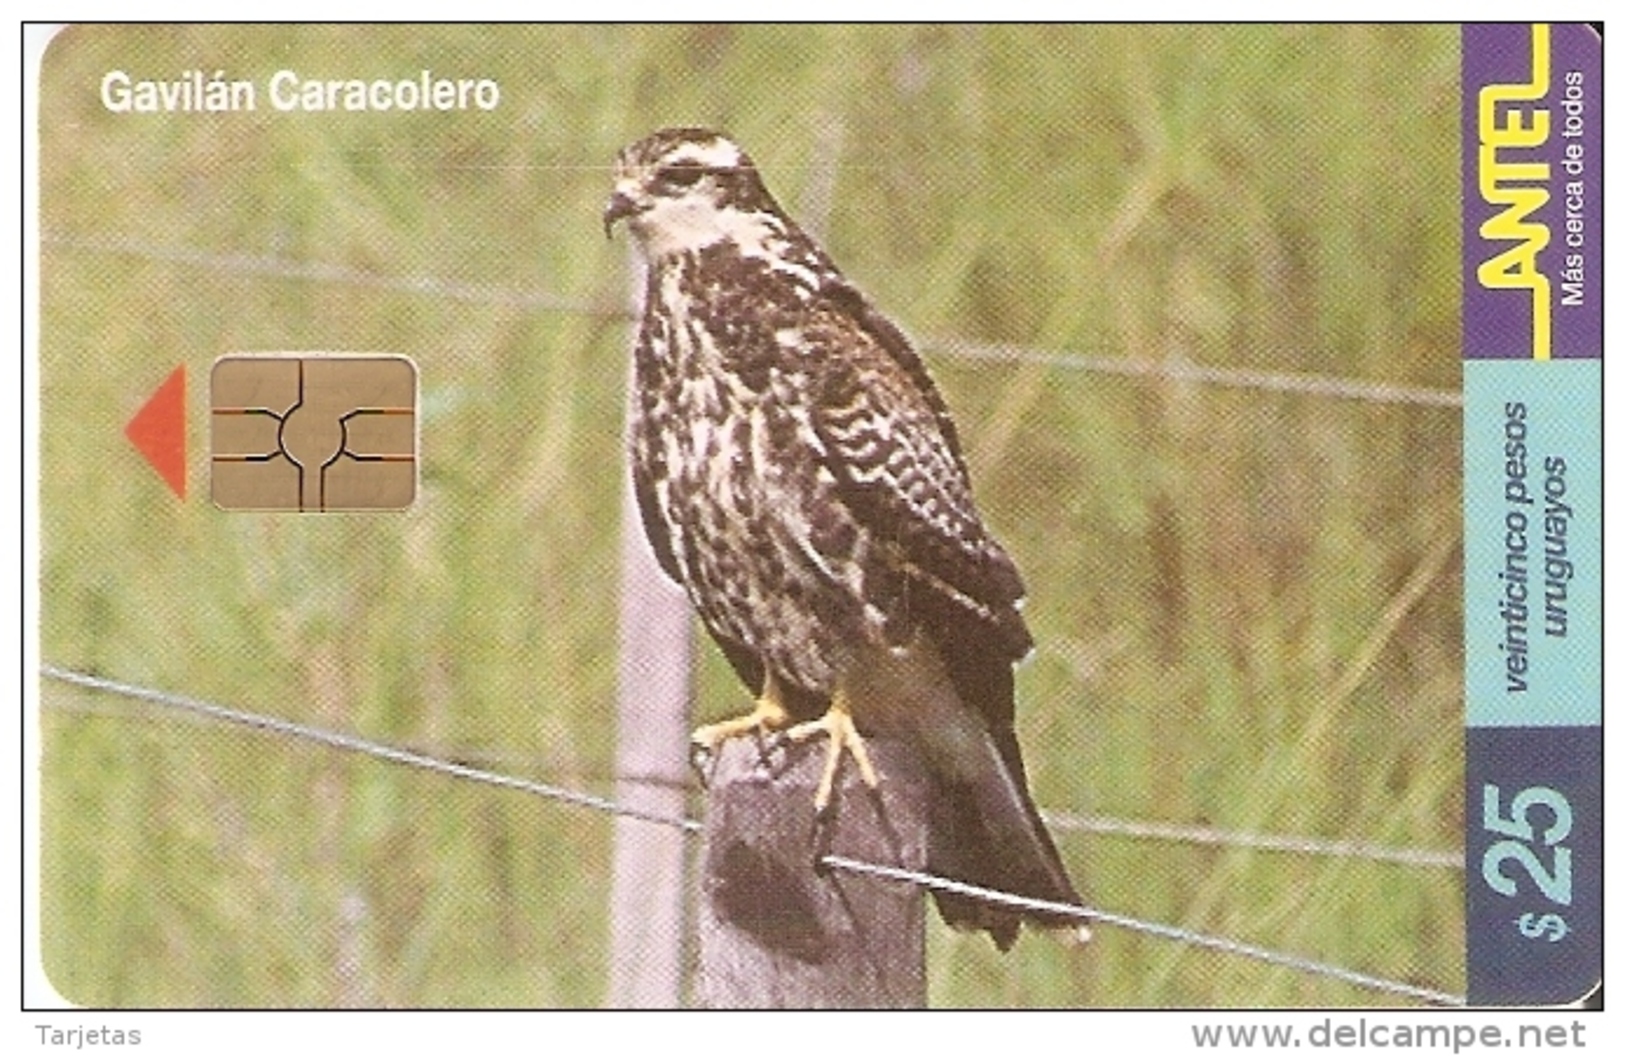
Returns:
<point x="1219" y="577"/>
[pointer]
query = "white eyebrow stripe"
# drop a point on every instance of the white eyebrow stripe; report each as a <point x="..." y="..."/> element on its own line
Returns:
<point x="719" y="154"/>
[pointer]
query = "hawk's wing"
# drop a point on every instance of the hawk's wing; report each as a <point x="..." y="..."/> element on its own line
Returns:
<point x="895" y="455"/>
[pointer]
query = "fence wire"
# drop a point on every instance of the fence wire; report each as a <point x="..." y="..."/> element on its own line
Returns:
<point x="1057" y="820"/>
<point x="576" y="798"/>
<point x="1258" y="841"/>
<point x="948" y="346"/>
<point x="350" y="743"/>
<point x="1087" y="915"/>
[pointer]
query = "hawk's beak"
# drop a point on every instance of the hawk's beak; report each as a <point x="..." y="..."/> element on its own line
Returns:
<point x="619" y="207"/>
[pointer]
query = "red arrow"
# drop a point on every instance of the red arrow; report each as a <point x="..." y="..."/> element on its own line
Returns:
<point x="158" y="430"/>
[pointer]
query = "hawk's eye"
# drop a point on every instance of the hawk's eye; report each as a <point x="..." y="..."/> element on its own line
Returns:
<point x="682" y="174"/>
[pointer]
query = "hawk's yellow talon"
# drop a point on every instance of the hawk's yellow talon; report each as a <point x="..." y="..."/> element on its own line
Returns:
<point x="769" y="714"/>
<point x="842" y="732"/>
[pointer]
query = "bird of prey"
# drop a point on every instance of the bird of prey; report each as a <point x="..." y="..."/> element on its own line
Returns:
<point x="798" y="474"/>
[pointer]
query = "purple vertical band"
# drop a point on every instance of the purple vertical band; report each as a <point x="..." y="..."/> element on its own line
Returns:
<point x="1537" y="227"/>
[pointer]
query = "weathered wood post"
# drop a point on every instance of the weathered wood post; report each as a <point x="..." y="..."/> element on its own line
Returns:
<point x="649" y="889"/>
<point x="773" y="933"/>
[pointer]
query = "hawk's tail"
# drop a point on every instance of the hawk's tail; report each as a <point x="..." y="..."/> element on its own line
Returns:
<point x="985" y="829"/>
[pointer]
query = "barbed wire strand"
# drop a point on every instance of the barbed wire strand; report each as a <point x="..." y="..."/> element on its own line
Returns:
<point x="350" y="743"/>
<point x="946" y="345"/>
<point x="277" y="267"/>
<point x="1183" y="370"/>
<point x="571" y="797"/>
<point x="1259" y="841"/>
<point x="1058" y="820"/>
<point x="1085" y="915"/>
<point x="473" y="755"/>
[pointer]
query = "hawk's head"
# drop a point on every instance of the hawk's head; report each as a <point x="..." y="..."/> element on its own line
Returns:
<point x="682" y="189"/>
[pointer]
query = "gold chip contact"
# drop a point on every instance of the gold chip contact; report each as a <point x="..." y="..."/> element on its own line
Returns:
<point x="313" y="433"/>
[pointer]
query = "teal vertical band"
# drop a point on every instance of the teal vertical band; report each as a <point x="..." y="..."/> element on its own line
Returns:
<point x="1532" y="465"/>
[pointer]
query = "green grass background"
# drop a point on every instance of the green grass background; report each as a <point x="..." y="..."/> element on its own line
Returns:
<point x="1247" y="603"/>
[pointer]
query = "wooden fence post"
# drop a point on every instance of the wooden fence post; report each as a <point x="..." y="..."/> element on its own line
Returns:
<point x="773" y="933"/>
<point x="654" y="658"/>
